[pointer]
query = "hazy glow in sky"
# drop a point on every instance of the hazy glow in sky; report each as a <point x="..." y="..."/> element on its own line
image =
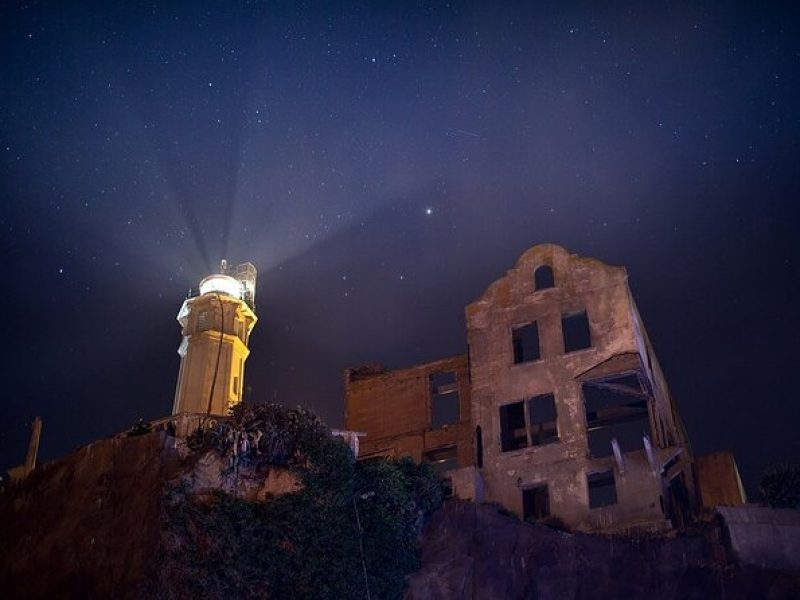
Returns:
<point x="382" y="165"/>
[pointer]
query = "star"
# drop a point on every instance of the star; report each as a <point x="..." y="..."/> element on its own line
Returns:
<point x="429" y="211"/>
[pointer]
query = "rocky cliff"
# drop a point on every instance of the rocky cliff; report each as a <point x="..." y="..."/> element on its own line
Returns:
<point x="474" y="551"/>
<point x="87" y="525"/>
<point x="91" y="524"/>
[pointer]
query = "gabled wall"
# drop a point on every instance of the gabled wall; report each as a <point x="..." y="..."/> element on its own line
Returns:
<point x="616" y="348"/>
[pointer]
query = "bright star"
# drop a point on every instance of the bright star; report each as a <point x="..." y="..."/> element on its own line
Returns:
<point x="429" y="211"/>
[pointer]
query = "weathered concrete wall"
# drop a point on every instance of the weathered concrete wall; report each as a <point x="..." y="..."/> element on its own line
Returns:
<point x="718" y="480"/>
<point x="617" y="345"/>
<point x="764" y="537"/>
<point x="394" y="409"/>
<point x="638" y="505"/>
<point x="468" y="484"/>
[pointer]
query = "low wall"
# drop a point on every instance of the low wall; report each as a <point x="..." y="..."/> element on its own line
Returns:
<point x="467" y="484"/>
<point x="764" y="537"/>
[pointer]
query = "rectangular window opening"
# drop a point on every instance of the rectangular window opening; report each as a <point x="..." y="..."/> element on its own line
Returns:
<point x="616" y="408"/>
<point x="525" y="340"/>
<point x="575" y="328"/>
<point x="442" y="459"/>
<point x="444" y="399"/>
<point x="543" y="420"/>
<point x="535" y="503"/>
<point x="602" y="489"/>
<point x="202" y="320"/>
<point x="513" y="434"/>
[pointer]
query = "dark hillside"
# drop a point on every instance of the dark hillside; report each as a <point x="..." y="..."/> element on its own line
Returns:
<point x="136" y="517"/>
<point x="473" y="551"/>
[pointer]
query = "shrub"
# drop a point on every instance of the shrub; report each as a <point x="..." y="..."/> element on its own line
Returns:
<point x="306" y="544"/>
<point x="780" y="486"/>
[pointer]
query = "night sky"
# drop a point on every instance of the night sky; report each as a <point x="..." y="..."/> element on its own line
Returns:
<point x="382" y="164"/>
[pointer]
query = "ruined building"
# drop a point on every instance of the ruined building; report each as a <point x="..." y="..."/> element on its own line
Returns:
<point x="559" y="408"/>
<point x="216" y="327"/>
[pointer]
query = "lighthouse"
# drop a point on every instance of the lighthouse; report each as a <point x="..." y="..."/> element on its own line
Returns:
<point x="216" y="326"/>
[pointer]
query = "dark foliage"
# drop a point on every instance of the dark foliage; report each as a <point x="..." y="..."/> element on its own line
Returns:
<point x="780" y="486"/>
<point x="140" y="428"/>
<point x="305" y="544"/>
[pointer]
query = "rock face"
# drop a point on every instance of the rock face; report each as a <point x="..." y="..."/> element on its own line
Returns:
<point x="210" y="473"/>
<point x="472" y="551"/>
<point x="89" y="525"/>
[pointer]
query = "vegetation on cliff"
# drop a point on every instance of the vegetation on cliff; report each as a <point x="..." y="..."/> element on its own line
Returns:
<point x="780" y="486"/>
<point x="352" y="526"/>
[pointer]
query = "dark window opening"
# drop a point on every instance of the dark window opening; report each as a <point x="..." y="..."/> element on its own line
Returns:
<point x="444" y="399"/>
<point x="447" y="487"/>
<point x="479" y="446"/>
<point x="513" y="435"/>
<point x="526" y="343"/>
<point x="602" y="489"/>
<point x="535" y="503"/>
<point x="443" y="381"/>
<point x="543" y="419"/>
<point x="616" y="408"/>
<point x="678" y="503"/>
<point x="575" y="328"/>
<point x="442" y="459"/>
<point x="543" y="278"/>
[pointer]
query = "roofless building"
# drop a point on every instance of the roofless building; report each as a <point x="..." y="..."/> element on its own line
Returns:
<point x="559" y="408"/>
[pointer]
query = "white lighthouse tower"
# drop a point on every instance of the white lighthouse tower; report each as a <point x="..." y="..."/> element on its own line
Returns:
<point x="216" y="327"/>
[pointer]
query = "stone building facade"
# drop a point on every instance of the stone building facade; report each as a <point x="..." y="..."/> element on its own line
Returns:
<point x="563" y="408"/>
<point x="573" y="411"/>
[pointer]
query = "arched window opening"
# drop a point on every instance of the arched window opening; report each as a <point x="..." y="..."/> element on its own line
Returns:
<point x="543" y="278"/>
